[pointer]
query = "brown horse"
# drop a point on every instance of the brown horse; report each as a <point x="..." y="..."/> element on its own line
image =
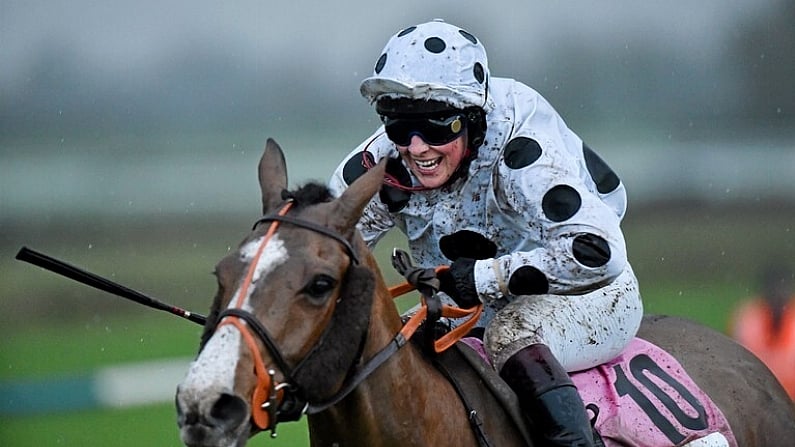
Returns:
<point x="303" y="323"/>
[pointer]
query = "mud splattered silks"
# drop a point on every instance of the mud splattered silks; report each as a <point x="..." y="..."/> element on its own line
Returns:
<point x="542" y="212"/>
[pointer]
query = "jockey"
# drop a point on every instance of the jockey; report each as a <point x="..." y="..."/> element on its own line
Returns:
<point x="483" y="175"/>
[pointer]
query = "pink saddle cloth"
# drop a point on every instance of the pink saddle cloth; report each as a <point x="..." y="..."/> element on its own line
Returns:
<point x="645" y="398"/>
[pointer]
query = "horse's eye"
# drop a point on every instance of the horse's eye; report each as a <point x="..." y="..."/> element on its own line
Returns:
<point x="320" y="286"/>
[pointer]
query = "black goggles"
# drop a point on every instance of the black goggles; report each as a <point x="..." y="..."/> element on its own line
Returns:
<point x="436" y="132"/>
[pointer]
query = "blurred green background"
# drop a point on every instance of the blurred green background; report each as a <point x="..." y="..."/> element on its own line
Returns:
<point x="130" y="133"/>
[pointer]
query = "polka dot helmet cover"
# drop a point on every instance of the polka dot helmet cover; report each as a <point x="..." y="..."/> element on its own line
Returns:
<point x="432" y="61"/>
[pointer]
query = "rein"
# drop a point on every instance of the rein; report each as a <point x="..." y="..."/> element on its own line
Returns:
<point x="273" y="402"/>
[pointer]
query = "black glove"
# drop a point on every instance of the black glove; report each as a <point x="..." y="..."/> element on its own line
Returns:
<point x="458" y="282"/>
<point x="424" y="279"/>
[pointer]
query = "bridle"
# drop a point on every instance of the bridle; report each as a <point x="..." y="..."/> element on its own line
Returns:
<point x="273" y="402"/>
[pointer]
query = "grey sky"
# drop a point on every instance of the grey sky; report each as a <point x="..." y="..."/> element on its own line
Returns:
<point x="624" y="65"/>
<point x="343" y="37"/>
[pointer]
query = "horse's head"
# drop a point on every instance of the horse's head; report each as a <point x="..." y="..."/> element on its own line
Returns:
<point x="290" y="315"/>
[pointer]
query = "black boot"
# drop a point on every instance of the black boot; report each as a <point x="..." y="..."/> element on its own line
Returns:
<point x="548" y="397"/>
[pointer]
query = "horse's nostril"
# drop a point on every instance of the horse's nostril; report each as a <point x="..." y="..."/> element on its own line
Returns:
<point x="229" y="410"/>
<point x="185" y="417"/>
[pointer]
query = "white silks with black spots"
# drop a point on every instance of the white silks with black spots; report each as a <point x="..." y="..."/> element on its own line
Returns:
<point x="538" y="209"/>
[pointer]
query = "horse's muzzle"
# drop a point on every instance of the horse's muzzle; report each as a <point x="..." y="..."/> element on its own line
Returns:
<point x="212" y="420"/>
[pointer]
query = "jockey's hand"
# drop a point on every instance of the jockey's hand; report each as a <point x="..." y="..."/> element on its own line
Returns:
<point x="458" y="282"/>
<point x="424" y="279"/>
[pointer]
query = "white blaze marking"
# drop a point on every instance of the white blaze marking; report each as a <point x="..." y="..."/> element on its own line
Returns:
<point x="214" y="369"/>
<point x="215" y="366"/>
<point x="272" y="256"/>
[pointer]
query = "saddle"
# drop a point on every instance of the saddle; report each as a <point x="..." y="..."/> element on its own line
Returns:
<point x="642" y="398"/>
<point x="472" y="378"/>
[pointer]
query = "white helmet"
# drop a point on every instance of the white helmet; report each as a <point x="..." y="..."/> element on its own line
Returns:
<point x="432" y="61"/>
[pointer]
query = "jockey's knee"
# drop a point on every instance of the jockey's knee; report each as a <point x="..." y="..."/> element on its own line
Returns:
<point x="582" y="331"/>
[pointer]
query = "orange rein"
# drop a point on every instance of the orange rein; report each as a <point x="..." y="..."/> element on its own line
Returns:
<point x="448" y="339"/>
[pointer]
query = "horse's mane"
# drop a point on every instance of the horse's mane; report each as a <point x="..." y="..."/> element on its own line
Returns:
<point x="308" y="194"/>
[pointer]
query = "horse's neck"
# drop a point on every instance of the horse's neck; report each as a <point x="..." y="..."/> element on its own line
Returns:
<point x="402" y="403"/>
<point x="387" y="408"/>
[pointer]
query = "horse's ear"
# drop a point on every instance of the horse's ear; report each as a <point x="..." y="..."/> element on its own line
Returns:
<point x="353" y="200"/>
<point x="272" y="175"/>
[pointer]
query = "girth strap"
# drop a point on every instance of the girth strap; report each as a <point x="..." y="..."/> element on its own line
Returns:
<point x="466" y="369"/>
<point x="451" y="358"/>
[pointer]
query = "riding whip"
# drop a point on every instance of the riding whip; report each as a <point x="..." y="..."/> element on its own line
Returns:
<point x="106" y="285"/>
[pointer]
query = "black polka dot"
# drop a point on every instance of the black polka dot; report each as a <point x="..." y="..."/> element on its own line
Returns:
<point x="528" y="280"/>
<point x="561" y="203"/>
<point x="353" y="169"/>
<point x="435" y="45"/>
<point x="477" y="70"/>
<point x="379" y="65"/>
<point x="467" y="244"/>
<point x="521" y="152"/>
<point x="396" y="199"/>
<point x="406" y="31"/>
<point x="606" y="180"/>
<point x="591" y="250"/>
<point x="468" y="36"/>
